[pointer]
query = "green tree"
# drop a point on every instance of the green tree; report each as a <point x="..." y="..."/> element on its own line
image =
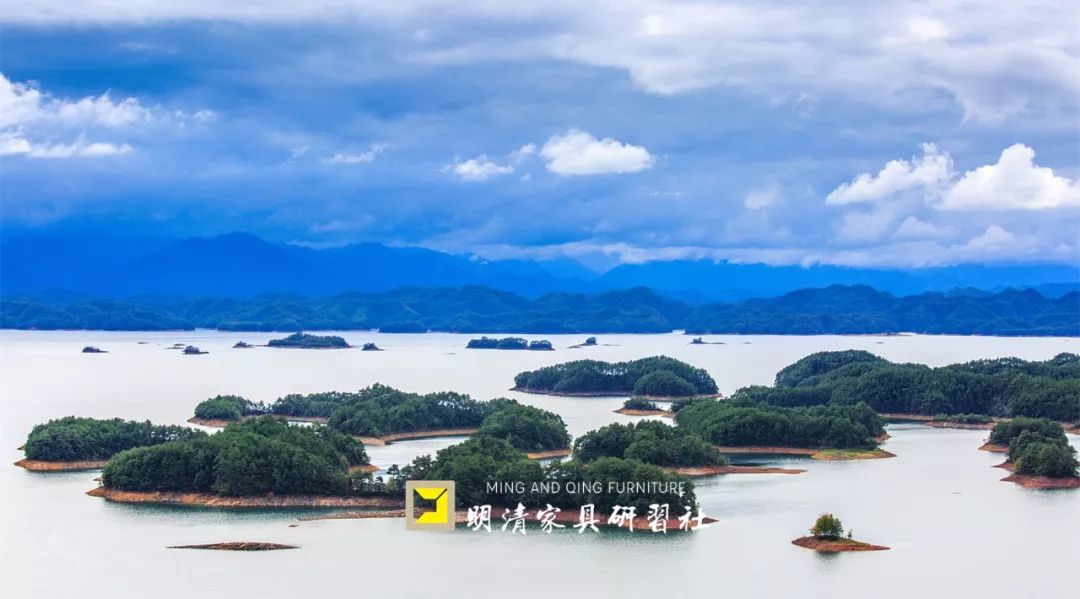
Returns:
<point x="827" y="525"/>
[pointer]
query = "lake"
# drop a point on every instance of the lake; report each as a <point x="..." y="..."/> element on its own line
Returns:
<point x="954" y="529"/>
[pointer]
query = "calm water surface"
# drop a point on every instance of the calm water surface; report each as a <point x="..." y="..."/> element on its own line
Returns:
<point x="954" y="529"/>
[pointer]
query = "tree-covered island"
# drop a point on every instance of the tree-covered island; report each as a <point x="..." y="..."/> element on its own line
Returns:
<point x="823" y="432"/>
<point x="222" y="409"/>
<point x="308" y="341"/>
<point x="658" y="376"/>
<point x="1038" y="452"/>
<point x="1003" y="387"/>
<point x="509" y="343"/>
<point x="827" y="535"/>
<point x="73" y="443"/>
<point x="261" y="462"/>
<point x="379" y="414"/>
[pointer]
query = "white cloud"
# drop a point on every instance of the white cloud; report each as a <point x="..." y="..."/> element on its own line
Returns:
<point x="1013" y="183"/>
<point x="579" y="153"/>
<point x="762" y="198"/>
<point x="14" y="144"/>
<point x="23" y="104"/>
<point x="926" y="172"/>
<point x="365" y="157"/>
<point x="914" y="228"/>
<point x="480" y="168"/>
<point x="523" y="152"/>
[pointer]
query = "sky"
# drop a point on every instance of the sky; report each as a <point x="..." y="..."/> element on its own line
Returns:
<point x="900" y="134"/>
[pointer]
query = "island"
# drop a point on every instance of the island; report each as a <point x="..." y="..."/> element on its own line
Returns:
<point x="831" y="432"/>
<point x="380" y="414"/>
<point x="242" y="345"/>
<point x="1039" y="454"/>
<point x="827" y="536"/>
<point x="539" y="433"/>
<point x="223" y="409"/>
<point x="490" y="471"/>
<point x="370" y="347"/>
<point x="639" y="406"/>
<point x="508" y="343"/>
<point x="589" y="342"/>
<point x="191" y="350"/>
<point x="260" y="462"/>
<point x="306" y="341"/>
<point x="90" y="349"/>
<point x="71" y="443"/>
<point x="237" y="546"/>
<point x="672" y="448"/>
<point x="655" y="377"/>
<point x="995" y="388"/>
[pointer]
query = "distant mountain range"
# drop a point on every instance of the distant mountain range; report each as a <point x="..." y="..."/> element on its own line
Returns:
<point x="833" y="310"/>
<point x="239" y="265"/>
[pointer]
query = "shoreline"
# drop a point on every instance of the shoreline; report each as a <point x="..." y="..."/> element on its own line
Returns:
<point x="699" y="471"/>
<point x="1031" y="481"/>
<point x="832" y="455"/>
<point x="664" y="398"/>
<point x="69" y="466"/>
<point x="635" y="412"/>
<point x="837" y="545"/>
<point x="548" y="454"/>
<point x="994" y="448"/>
<point x="222" y="423"/>
<point x="409" y="435"/>
<point x="223" y="501"/>
<point x="237" y="546"/>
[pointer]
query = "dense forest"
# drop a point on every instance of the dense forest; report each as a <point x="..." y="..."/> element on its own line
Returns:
<point x="380" y="410"/>
<point x="741" y="423"/>
<point x="307" y="341"/>
<point x="647" y="441"/>
<point x="1037" y="447"/>
<point x="254" y="457"/>
<point x="830" y="310"/>
<point x="527" y="428"/>
<point x="655" y="376"/>
<point x="994" y="387"/>
<point x="508" y="343"/>
<point x="84" y="439"/>
<point x="478" y="461"/>
<point x="228" y="407"/>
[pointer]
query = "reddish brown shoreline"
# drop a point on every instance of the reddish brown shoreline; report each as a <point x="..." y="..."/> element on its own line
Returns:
<point x="214" y="500"/>
<point x="50" y="466"/>
<point x="1029" y="481"/>
<point x="635" y="412"/>
<point x="695" y="471"/>
<point x="237" y="546"/>
<point x="392" y="437"/>
<point x="994" y="447"/>
<point x="831" y="545"/>
<point x="551" y="453"/>
<point x="832" y="455"/>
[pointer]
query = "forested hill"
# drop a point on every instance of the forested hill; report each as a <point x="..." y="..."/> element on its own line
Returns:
<point x="830" y="310"/>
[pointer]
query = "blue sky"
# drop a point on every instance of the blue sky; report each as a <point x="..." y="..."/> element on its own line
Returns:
<point x="787" y="132"/>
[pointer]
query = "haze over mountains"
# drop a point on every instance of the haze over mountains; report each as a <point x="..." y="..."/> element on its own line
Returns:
<point x="242" y="265"/>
